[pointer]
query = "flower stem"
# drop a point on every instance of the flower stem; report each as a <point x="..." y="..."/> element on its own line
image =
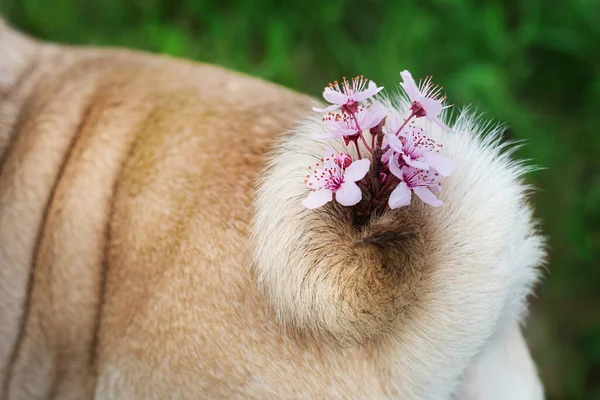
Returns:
<point x="365" y="142"/>
<point x="357" y="148"/>
<point x="391" y="180"/>
<point x="376" y="158"/>
<point x="359" y="129"/>
<point x="377" y="135"/>
<point x="373" y="141"/>
<point x="406" y="122"/>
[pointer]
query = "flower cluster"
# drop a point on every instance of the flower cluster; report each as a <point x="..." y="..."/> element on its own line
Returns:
<point x="403" y="159"/>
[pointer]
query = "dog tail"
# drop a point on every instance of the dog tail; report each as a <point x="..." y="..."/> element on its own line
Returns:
<point x="415" y="272"/>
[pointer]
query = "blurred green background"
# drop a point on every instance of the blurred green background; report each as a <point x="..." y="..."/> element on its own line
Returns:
<point x="533" y="64"/>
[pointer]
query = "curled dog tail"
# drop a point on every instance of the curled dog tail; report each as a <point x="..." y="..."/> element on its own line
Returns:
<point x="445" y="277"/>
<point x="17" y="52"/>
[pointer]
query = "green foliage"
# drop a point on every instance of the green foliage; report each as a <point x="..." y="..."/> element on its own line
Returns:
<point x="534" y="64"/>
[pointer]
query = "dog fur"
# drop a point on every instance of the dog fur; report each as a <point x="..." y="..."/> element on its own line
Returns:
<point x="153" y="245"/>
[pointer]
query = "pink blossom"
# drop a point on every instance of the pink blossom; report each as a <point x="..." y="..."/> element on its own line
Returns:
<point x="385" y="157"/>
<point x="427" y="98"/>
<point x="343" y="160"/>
<point x="342" y="123"/>
<point x="418" y="150"/>
<point x="336" y="176"/>
<point x="349" y="94"/>
<point x="425" y="184"/>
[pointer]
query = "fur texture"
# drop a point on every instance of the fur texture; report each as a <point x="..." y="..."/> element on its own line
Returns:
<point x="127" y="240"/>
<point x="439" y="283"/>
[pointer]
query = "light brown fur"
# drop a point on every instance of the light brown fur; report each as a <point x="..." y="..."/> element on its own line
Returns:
<point x="126" y="190"/>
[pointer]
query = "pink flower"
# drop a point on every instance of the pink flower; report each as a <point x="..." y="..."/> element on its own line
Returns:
<point x="343" y="160"/>
<point x="349" y="94"/>
<point x="425" y="184"/>
<point x="427" y="98"/>
<point x="342" y="123"/>
<point x="337" y="176"/>
<point x="417" y="149"/>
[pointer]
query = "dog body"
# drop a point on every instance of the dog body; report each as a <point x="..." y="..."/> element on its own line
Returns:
<point x="131" y="265"/>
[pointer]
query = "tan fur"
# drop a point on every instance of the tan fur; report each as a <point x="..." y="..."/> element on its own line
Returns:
<point x="127" y="184"/>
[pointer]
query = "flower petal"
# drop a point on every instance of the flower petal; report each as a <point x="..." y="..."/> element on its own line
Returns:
<point x="435" y="189"/>
<point x="369" y="119"/>
<point x="395" y="168"/>
<point x="395" y="143"/>
<point x="427" y="197"/>
<point x="410" y="87"/>
<point x="440" y="163"/>
<point x="357" y="170"/>
<point x="400" y="197"/>
<point x="415" y="163"/>
<point x="439" y="122"/>
<point x="387" y="155"/>
<point x="335" y="97"/>
<point x="317" y="199"/>
<point x="327" y="109"/>
<point x="348" y="194"/>
<point x="432" y="107"/>
<point x="392" y="124"/>
<point x="371" y="90"/>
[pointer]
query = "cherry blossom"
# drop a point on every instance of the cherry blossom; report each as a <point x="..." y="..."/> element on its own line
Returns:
<point x="349" y="94"/>
<point x="404" y="158"/>
<point x="425" y="184"/>
<point x="419" y="151"/>
<point x="427" y="98"/>
<point x="343" y="123"/>
<point x="335" y="177"/>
